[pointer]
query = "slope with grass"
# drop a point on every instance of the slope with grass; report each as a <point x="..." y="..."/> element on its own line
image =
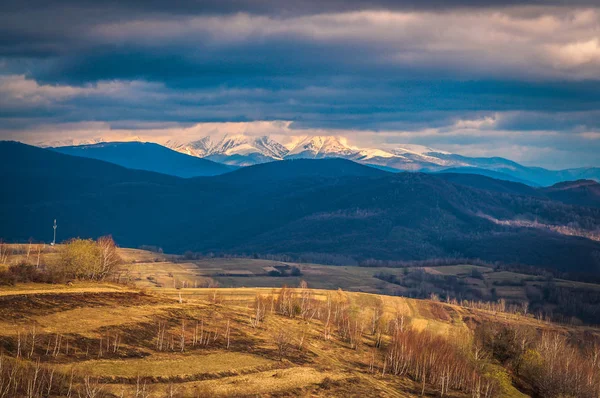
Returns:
<point x="208" y="342"/>
<point x="140" y="339"/>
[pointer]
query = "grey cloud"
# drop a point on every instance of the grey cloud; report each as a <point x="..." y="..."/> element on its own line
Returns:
<point x="275" y="6"/>
<point x="401" y="66"/>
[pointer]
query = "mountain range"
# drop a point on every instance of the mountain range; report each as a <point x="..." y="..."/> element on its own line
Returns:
<point x="148" y="156"/>
<point x="241" y="150"/>
<point x="327" y="210"/>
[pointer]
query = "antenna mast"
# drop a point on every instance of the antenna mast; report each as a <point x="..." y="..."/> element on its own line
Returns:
<point x="54" y="241"/>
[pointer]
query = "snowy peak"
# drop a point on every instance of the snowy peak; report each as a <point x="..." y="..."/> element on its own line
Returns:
<point x="242" y="145"/>
<point x="199" y="148"/>
<point x="232" y="145"/>
<point x="270" y="147"/>
<point x="366" y="154"/>
<point x="320" y="147"/>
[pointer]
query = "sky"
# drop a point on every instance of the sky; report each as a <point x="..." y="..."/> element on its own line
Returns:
<point x="517" y="79"/>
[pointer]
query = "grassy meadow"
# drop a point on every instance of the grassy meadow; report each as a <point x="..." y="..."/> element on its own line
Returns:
<point x="476" y="282"/>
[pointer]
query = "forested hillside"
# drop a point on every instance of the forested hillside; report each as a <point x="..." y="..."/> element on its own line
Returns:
<point x="330" y="206"/>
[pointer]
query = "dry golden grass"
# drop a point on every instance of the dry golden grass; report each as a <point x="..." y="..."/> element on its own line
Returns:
<point x="85" y="320"/>
<point x="249" y="367"/>
<point x="79" y="287"/>
<point x="265" y="382"/>
<point x="130" y="255"/>
<point x="180" y="365"/>
<point x="282" y="382"/>
<point x="174" y="272"/>
<point x="89" y="315"/>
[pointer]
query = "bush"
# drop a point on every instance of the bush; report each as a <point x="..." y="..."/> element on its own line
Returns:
<point x="24" y="273"/>
<point x="87" y="259"/>
<point x="79" y="259"/>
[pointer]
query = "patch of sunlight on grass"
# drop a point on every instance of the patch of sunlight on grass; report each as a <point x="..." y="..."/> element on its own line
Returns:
<point x="263" y="382"/>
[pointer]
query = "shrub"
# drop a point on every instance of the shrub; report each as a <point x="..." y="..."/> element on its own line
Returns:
<point x="23" y="273"/>
<point x="86" y="259"/>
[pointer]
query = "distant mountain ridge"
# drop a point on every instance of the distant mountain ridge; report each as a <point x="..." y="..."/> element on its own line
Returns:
<point x="323" y="207"/>
<point x="148" y="156"/>
<point x="242" y="150"/>
<point x="580" y="192"/>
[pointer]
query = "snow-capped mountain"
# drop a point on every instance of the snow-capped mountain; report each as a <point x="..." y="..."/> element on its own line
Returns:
<point x="199" y="148"/>
<point x="404" y="157"/>
<point x="320" y="147"/>
<point x="242" y="150"/>
<point x="236" y="150"/>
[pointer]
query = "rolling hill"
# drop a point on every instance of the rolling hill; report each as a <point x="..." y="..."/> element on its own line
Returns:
<point x="301" y="169"/>
<point x="580" y="192"/>
<point x="215" y="343"/>
<point x="324" y="207"/>
<point x="148" y="156"/>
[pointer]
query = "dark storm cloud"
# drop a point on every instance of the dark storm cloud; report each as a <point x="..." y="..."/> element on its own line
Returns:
<point x="277" y="6"/>
<point x="476" y="67"/>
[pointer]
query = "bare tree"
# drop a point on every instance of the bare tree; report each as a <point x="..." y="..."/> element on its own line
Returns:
<point x="109" y="258"/>
<point x="33" y="341"/>
<point x="29" y="248"/>
<point x="182" y="336"/>
<point x="92" y="387"/>
<point x="282" y="342"/>
<point x="160" y="335"/>
<point x="39" y="254"/>
<point x="431" y="359"/>
<point x="4" y="252"/>
<point x="286" y="304"/>
<point x="259" y="311"/>
<point x="19" y="344"/>
<point x="228" y="333"/>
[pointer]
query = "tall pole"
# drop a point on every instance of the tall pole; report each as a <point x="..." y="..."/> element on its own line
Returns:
<point x="54" y="240"/>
